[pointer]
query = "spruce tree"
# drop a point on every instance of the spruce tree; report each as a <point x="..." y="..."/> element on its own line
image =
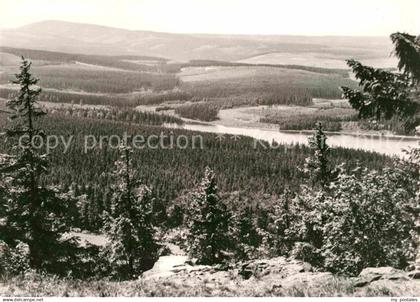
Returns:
<point x="33" y="214"/>
<point x="208" y="223"/>
<point x="317" y="166"/>
<point x="132" y="248"/>
<point x="385" y="94"/>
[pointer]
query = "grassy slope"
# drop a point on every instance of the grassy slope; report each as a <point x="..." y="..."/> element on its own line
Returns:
<point x="36" y="285"/>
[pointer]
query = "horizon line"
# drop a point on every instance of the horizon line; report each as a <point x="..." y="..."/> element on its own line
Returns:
<point x="197" y="33"/>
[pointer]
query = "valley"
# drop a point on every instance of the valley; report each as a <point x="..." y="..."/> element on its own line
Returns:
<point x="251" y="97"/>
<point x="292" y="189"/>
<point x="227" y="89"/>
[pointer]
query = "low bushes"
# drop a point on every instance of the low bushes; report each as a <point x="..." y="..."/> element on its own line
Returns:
<point x="363" y="221"/>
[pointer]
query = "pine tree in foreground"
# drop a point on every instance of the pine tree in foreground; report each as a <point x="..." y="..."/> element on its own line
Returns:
<point x="32" y="214"/>
<point x="132" y="248"/>
<point x="208" y="223"/>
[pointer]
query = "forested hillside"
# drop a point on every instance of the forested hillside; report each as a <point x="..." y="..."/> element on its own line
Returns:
<point x="170" y="172"/>
<point x="148" y="80"/>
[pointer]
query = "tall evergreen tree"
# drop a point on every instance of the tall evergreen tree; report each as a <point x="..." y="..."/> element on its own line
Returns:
<point x="317" y="166"/>
<point x="208" y="223"/>
<point x="386" y="94"/>
<point x="33" y="214"/>
<point x="132" y="248"/>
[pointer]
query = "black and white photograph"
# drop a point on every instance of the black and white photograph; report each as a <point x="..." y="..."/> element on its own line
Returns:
<point x="209" y="148"/>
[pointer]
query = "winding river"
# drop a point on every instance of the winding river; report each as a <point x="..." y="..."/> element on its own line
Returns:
<point x="388" y="145"/>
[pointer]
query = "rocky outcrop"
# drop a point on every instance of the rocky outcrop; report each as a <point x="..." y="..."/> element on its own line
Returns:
<point x="414" y="270"/>
<point x="309" y="279"/>
<point x="280" y="266"/>
<point x="414" y="274"/>
<point x="276" y="276"/>
<point x="372" y="274"/>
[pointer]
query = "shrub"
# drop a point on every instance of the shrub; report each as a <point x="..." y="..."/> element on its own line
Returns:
<point x="306" y="252"/>
<point x="284" y="224"/>
<point x="246" y="234"/>
<point x="364" y="220"/>
<point x="13" y="260"/>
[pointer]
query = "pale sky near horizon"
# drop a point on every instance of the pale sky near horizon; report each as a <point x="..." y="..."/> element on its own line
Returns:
<point x="299" y="17"/>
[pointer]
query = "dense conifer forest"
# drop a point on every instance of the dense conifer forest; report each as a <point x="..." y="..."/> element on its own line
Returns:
<point x="171" y="172"/>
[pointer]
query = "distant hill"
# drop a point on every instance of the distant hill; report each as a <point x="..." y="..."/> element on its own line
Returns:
<point x="101" y="40"/>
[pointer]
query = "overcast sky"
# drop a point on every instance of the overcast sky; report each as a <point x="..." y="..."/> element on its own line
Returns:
<point x="303" y="17"/>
